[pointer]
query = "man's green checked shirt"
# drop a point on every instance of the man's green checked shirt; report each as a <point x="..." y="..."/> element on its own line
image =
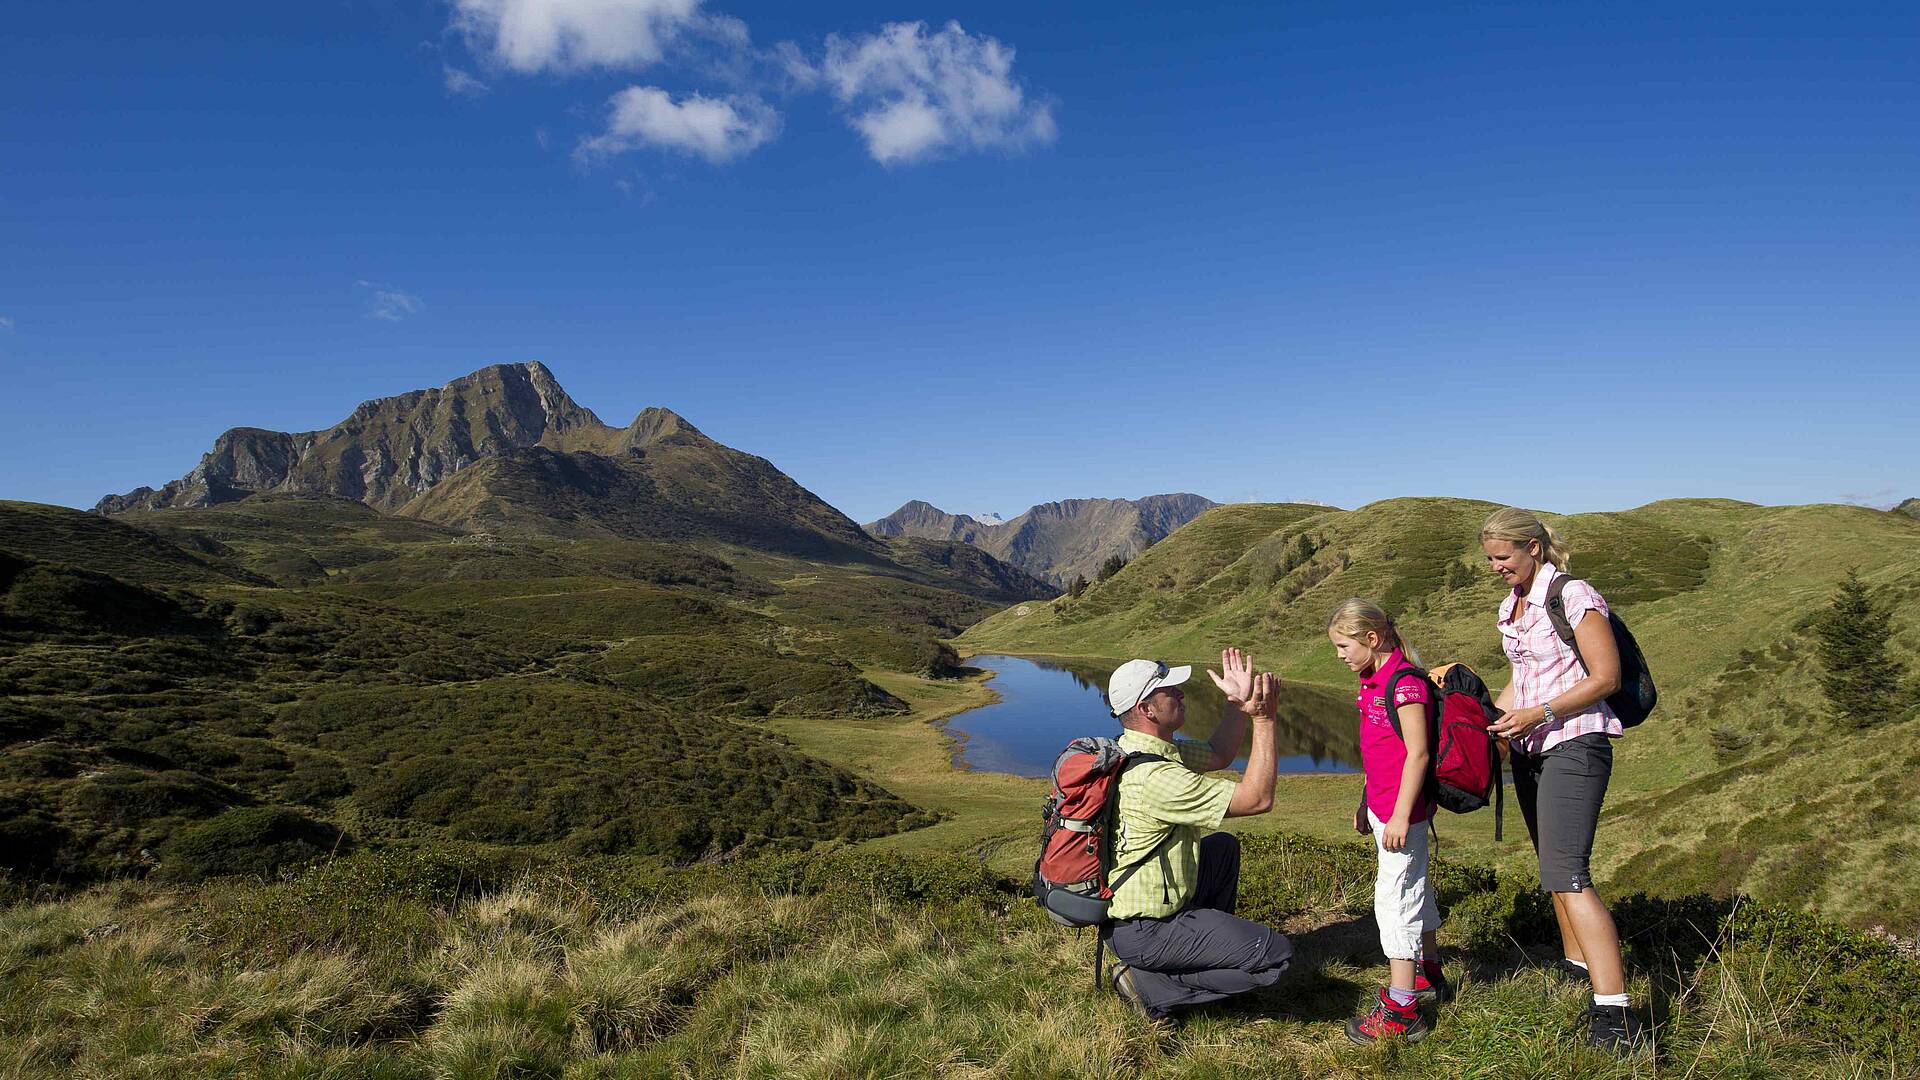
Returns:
<point x="1157" y="796"/>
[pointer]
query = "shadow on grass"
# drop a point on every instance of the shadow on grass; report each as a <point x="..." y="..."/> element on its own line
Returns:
<point x="1314" y="989"/>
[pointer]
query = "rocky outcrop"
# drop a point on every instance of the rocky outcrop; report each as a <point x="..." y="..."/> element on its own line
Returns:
<point x="1910" y="507"/>
<point x="1054" y="541"/>
<point x="390" y="449"/>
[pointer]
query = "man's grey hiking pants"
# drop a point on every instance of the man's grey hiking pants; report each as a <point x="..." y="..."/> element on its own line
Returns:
<point x="1203" y="952"/>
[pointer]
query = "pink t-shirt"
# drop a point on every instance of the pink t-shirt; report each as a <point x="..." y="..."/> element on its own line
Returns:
<point x="1383" y="756"/>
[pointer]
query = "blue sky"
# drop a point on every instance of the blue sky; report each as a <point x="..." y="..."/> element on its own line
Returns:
<point x="1575" y="257"/>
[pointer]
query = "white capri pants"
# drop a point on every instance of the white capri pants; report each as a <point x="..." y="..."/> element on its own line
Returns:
<point x="1403" y="901"/>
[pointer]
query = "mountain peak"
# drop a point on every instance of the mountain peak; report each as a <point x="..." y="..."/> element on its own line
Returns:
<point x="655" y="423"/>
<point x="1054" y="541"/>
<point x="388" y="449"/>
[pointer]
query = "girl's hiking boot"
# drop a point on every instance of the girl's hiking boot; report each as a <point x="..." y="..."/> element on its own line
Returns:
<point x="1431" y="989"/>
<point x="1573" y="972"/>
<point x="1389" y="1021"/>
<point x="1618" y="1030"/>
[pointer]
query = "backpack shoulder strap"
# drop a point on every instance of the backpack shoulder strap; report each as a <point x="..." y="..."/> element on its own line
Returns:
<point x="1557" y="611"/>
<point x="1557" y="607"/>
<point x="1133" y="758"/>
<point x="1393" y="683"/>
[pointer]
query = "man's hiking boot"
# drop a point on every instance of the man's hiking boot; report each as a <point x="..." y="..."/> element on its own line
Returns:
<point x="1129" y="993"/>
<point x="1434" y="991"/>
<point x="1573" y="972"/>
<point x="1389" y="1021"/>
<point x="1617" y="1030"/>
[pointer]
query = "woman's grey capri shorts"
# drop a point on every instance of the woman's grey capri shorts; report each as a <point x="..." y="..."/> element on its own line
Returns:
<point x="1560" y="793"/>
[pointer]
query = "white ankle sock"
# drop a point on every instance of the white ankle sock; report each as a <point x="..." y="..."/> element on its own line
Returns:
<point x="1610" y="999"/>
<point x="1581" y="964"/>
<point x="1402" y="998"/>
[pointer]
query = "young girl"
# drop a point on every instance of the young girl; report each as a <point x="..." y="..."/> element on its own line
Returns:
<point x="1395" y="811"/>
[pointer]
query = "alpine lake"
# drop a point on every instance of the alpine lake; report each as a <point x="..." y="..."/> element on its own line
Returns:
<point x="1047" y="702"/>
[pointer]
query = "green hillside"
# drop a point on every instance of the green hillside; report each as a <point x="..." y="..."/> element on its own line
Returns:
<point x="169" y="710"/>
<point x="291" y="788"/>
<point x="1742" y="780"/>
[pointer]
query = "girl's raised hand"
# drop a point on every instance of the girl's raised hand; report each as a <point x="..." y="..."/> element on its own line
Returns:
<point x="1237" y="682"/>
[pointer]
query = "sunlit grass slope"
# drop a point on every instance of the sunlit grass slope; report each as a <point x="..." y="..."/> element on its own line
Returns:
<point x="1742" y="780"/>
<point x="864" y="964"/>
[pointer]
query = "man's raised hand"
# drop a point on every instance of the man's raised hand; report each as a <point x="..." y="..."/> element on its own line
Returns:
<point x="1237" y="683"/>
<point x="1264" y="704"/>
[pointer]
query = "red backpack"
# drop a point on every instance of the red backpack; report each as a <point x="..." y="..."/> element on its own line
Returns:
<point x="1073" y="879"/>
<point x="1463" y="772"/>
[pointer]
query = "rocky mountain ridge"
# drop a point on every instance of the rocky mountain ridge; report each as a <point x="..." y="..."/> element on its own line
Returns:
<point x="506" y="451"/>
<point x="1056" y="541"/>
<point x="388" y="450"/>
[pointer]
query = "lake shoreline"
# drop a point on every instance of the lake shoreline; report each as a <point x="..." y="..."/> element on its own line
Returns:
<point x="1033" y="713"/>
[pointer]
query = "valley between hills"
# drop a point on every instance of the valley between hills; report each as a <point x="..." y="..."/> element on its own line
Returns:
<point x="474" y="736"/>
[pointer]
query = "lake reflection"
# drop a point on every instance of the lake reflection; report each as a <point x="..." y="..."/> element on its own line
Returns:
<point x="1046" y="703"/>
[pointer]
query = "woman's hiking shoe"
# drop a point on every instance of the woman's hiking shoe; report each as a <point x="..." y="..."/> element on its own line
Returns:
<point x="1617" y="1030"/>
<point x="1129" y="993"/>
<point x="1573" y="972"/>
<point x="1389" y="1021"/>
<point x="1433" y="991"/>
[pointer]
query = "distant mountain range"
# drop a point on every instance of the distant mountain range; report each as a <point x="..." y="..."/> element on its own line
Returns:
<point x="1056" y="541"/>
<point x="506" y="451"/>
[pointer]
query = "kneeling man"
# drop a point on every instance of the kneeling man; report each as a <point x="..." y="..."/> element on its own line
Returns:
<point x="1171" y="922"/>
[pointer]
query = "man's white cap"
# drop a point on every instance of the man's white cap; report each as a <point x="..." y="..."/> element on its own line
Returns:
<point x="1135" y="679"/>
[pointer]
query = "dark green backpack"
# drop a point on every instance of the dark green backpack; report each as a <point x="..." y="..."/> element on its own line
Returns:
<point x="1636" y="696"/>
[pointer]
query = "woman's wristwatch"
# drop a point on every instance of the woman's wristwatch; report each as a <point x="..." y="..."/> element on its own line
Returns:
<point x="1546" y="719"/>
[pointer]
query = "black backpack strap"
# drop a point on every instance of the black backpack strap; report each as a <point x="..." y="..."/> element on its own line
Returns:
<point x="1134" y="758"/>
<point x="1393" y="714"/>
<point x="1100" y="933"/>
<point x="1557" y="611"/>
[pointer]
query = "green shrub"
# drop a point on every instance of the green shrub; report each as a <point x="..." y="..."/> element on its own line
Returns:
<point x="257" y="840"/>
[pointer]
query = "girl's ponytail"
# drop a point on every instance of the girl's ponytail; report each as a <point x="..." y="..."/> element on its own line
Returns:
<point x="1518" y="527"/>
<point x="1358" y="616"/>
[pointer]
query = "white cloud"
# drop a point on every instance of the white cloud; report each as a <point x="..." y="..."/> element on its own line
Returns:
<point x="572" y="35"/>
<point x="389" y="303"/>
<point x="717" y="129"/>
<point x="461" y="84"/>
<point x="5" y="323"/>
<point x="916" y="95"/>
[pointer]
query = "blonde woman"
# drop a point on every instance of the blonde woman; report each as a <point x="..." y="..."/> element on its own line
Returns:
<point x="1560" y="736"/>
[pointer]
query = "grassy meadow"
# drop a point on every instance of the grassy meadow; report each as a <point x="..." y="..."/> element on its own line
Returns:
<point x="289" y="788"/>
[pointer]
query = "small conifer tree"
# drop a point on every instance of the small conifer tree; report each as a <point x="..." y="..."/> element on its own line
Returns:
<point x="1111" y="567"/>
<point x="1861" y="680"/>
<point x="1079" y="586"/>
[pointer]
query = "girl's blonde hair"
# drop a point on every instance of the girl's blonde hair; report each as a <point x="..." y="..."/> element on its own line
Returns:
<point x="1357" y="616"/>
<point x="1517" y="527"/>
